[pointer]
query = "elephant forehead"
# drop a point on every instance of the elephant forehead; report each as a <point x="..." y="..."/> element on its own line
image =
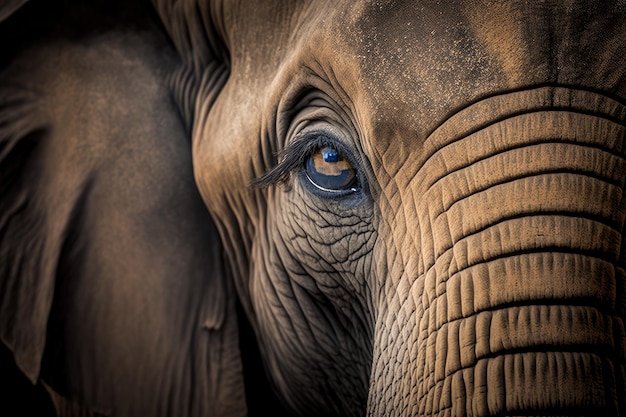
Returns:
<point x="408" y="66"/>
<point x="416" y="63"/>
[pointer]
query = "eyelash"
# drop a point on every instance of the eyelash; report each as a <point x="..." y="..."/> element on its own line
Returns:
<point x="294" y="157"/>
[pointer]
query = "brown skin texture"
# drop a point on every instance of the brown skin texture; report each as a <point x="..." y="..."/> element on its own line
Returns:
<point x="477" y="268"/>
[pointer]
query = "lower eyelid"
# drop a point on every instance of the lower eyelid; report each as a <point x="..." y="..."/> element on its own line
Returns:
<point x="312" y="183"/>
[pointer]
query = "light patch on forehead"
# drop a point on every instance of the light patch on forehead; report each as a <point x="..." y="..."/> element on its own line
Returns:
<point x="498" y="29"/>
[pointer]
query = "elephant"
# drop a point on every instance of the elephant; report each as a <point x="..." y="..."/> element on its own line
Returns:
<point x="337" y="208"/>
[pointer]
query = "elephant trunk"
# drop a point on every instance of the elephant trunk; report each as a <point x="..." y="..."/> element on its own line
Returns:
<point x="517" y="303"/>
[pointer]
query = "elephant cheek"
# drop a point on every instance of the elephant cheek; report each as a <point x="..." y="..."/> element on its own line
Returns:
<point x="518" y="304"/>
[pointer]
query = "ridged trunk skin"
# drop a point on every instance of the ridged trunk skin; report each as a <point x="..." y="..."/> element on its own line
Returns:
<point x="511" y="300"/>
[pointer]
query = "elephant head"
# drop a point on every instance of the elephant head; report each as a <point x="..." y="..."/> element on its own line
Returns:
<point x="417" y="207"/>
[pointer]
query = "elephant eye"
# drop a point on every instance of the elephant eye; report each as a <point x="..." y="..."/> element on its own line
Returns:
<point x="328" y="170"/>
<point x="321" y="163"/>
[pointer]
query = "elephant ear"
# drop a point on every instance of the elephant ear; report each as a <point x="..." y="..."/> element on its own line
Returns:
<point x="8" y="7"/>
<point x="14" y="139"/>
<point x="112" y="284"/>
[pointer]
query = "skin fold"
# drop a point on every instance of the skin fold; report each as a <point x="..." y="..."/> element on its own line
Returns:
<point x="177" y="238"/>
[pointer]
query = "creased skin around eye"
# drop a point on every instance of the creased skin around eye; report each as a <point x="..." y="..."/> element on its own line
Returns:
<point x="329" y="171"/>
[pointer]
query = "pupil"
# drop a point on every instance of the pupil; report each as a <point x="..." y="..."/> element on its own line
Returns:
<point x="327" y="169"/>
<point x="330" y="155"/>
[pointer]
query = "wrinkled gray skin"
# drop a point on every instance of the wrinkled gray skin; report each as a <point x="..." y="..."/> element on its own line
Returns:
<point x="477" y="268"/>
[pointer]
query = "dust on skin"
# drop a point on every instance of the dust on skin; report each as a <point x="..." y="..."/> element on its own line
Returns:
<point x="501" y="33"/>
